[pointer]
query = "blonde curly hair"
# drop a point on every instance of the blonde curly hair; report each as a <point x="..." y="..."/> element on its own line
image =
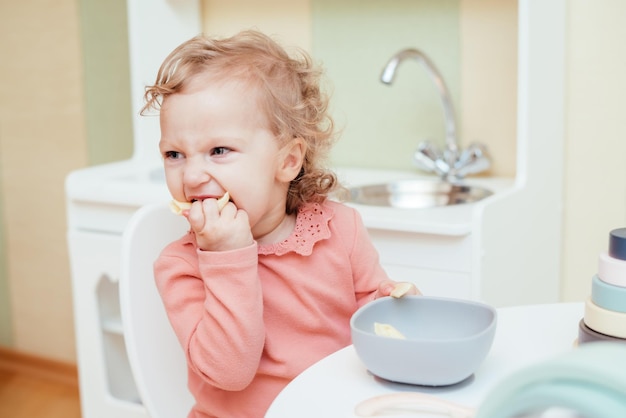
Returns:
<point x="289" y="90"/>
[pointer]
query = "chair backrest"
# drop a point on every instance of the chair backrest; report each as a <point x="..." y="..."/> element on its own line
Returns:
<point x="156" y="359"/>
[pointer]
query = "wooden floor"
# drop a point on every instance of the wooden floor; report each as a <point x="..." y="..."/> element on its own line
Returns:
<point x="31" y="387"/>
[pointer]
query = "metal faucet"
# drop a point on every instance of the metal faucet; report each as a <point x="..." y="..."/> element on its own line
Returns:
<point x="451" y="164"/>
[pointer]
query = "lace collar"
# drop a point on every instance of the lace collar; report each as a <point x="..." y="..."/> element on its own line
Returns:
<point x="311" y="227"/>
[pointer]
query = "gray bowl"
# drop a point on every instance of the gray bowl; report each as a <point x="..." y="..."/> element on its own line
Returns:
<point x="446" y="339"/>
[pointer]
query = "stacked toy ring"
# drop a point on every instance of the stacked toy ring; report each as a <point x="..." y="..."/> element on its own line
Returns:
<point x="605" y="310"/>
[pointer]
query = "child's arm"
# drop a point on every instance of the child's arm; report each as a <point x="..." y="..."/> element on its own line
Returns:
<point x="217" y="316"/>
<point x="371" y="281"/>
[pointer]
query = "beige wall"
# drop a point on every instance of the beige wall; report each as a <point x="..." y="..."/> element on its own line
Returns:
<point x="42" y="138"/>
<point x="64" y="104"/>
<point x="595" y="154"/>
<point x="489" y="79"/>
<point x="288" y="20"/>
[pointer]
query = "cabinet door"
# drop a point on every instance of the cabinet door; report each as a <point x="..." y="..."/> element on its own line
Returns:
<point x="424" y="251"/>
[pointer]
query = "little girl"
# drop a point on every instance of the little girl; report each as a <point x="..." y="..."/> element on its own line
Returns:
<point x="264" y="287"/>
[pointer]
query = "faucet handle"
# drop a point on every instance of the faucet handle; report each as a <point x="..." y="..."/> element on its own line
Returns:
<point x="428" y="158"/>
<point x="474" y="159"/>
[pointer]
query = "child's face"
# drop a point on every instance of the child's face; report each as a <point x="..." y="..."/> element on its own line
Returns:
<point x="214" y="139"/>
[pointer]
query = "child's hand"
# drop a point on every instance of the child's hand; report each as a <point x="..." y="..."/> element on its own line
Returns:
<point x="217" y="230"/>
<point x="397" y="289"/>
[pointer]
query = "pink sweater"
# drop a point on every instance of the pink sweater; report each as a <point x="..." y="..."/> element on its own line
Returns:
<point x="252" y="319"/>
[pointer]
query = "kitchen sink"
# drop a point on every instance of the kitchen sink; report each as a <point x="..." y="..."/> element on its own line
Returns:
<point x="417" y="194"/>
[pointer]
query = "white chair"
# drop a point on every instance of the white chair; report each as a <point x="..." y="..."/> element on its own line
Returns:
<point x="156" y="359"/>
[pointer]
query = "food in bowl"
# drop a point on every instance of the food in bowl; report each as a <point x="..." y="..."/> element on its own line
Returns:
<point x="446" y="340"/>
<point x="387" y="330"/>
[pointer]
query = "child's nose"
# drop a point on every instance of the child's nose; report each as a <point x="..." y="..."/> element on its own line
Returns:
<point x="196" y="172"/>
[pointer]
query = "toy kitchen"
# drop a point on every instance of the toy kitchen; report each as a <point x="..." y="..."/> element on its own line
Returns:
<point x="500" y="249"/>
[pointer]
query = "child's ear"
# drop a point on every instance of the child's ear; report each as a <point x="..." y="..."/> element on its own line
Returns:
<point x="292" y="159"/>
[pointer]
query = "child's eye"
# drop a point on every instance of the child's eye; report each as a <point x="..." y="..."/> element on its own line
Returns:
<point x="172" y="155"/>
<point x="220" y="151"/>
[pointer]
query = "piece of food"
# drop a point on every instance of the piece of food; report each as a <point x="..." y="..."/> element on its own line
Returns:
<point x="222" y="201"/>
<point x="178" y="207"/>
<point x="386" y="330"/>
<point x="400" y="289"/>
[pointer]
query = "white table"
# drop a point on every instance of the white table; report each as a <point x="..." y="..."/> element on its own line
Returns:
<point x="525" y="335"/>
